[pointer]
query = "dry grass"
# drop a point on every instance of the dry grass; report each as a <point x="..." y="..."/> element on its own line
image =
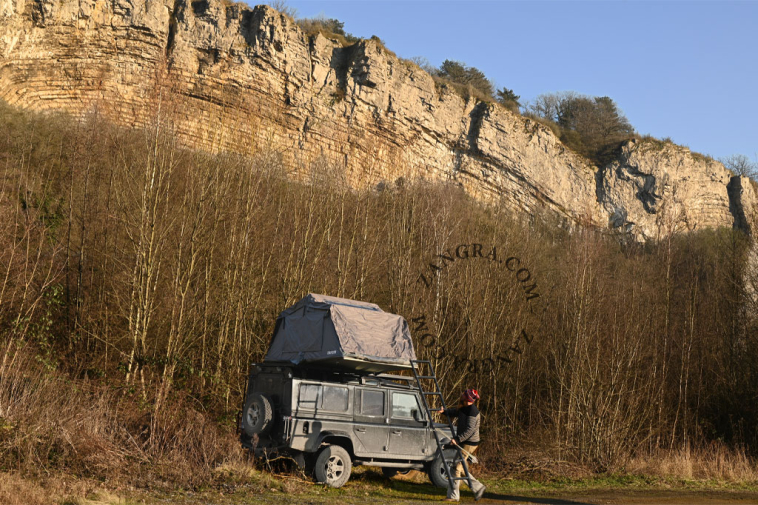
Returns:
<point x="16" y="489"/>
<point x="285" y="478"/>
<point x="714" y="462"/>
<point x="467" y="92"/>
<point x="537" y="461"/>
<point x="50" y="423"/>
<point x="325" y="27"/>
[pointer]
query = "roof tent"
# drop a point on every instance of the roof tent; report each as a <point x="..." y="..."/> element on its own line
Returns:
<point x="335" y="332"/>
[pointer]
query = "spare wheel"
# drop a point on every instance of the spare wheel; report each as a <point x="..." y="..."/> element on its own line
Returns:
<point x="258" y="414"/>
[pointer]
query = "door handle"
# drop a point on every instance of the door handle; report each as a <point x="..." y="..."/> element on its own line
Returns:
<point x="361" y="430"/>
<point x="397" y="432"/>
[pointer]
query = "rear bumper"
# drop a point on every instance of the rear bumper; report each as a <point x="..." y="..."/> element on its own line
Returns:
<point x="264" y="447"/>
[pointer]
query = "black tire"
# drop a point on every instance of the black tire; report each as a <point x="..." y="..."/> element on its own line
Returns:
<point x="390" y="472"/>
<point x="437" y="471"/>
<point x="258" y="415"/>
<point x="310" y="464"/>
<point x="333" y="466"/>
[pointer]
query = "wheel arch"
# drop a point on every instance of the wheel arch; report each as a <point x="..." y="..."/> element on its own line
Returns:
<point x="338" y="438"/>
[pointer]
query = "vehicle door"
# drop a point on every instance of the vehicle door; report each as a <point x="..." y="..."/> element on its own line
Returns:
<point x="370" y="426"/>
<point x="408" y="430"/>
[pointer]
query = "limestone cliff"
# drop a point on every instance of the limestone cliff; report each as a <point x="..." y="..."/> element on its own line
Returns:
<point x="236" y="78"/>
<point x="655" y="188"/>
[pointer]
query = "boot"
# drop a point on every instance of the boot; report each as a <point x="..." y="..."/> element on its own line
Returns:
<point x="478" y="488"/>
<point x="454" y="490"/>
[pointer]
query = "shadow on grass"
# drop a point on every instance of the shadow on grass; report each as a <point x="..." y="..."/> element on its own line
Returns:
<point x="436" y="493"/>
<point x="531" y="499"/>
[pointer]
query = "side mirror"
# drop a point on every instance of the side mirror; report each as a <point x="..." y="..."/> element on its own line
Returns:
<point x="418" y="416"/>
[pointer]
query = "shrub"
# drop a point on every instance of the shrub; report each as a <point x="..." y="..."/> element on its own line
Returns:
<point x="50" y="421"/>
<point x="508" y="99"/>
<point x="591" y="126"/>
<point x="459" y="73"/>
<point x="424" y="64"/>
<point x="329" y="28"/>
<point x="465" y="91"/>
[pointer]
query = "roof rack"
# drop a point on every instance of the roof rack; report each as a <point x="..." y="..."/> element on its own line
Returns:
<point x="386" y="380"/>
<point x="393" y="377"/>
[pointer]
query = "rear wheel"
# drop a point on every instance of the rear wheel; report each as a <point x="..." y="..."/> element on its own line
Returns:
<point x="333" y="466"/>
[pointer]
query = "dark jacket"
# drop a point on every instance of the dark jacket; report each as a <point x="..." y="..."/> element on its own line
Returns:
<point x="468" y="424"/>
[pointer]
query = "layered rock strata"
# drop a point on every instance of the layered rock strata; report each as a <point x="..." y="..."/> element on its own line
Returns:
<point x="656" y="188"/>
<point x="235" y="78"/>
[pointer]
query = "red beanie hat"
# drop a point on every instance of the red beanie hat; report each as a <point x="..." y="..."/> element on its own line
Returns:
<point x="471" y="395"/>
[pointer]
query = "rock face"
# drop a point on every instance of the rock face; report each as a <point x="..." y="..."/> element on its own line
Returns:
<point x="235" y="78"/>
<point x="655" y="188"/>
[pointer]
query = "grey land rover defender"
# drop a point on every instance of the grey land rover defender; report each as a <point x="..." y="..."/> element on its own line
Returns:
<point x="323" y="394"/>
<point x="329" y="422"/>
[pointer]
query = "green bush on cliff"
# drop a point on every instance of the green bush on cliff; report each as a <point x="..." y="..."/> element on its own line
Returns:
<point x="593" y="127"/>
<point x="470" y="82"/>
<point x="460" y="73"/>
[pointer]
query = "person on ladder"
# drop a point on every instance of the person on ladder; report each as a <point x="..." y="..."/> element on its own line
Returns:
<point x="467" y="438"/>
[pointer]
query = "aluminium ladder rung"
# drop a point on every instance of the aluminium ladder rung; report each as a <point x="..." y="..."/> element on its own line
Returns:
<point x="458" y="458"/>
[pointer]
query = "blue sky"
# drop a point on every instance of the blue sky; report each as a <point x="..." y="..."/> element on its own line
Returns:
<point x="681" y="69"/>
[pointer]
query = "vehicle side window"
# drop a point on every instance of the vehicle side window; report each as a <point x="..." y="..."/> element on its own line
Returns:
<point x="309" y="395"/>
<point x="334" y="399"/>
<point x="372" y="403"/>
<point x="403" y="405"/>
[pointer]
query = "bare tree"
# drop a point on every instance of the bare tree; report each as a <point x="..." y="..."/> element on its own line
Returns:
<point x="283" y="7"/>
<point x="741" y="165"/>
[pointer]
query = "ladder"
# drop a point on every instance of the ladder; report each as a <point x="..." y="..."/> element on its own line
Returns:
<point x="416" y="367"/>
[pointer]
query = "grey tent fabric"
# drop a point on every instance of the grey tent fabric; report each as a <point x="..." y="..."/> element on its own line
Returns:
<point x="349" y="334"/>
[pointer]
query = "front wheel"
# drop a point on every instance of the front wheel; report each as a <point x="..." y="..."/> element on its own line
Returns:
<point x="333" y="466"/>
<point x="437" y="473"/>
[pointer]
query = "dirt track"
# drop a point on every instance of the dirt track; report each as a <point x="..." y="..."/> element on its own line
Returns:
<point x="588" y="498"/>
